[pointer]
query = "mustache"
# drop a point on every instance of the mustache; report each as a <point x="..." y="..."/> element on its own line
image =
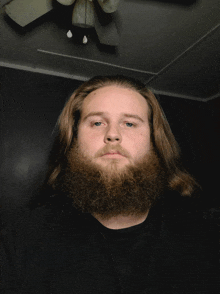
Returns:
<point x="108" y="148"/>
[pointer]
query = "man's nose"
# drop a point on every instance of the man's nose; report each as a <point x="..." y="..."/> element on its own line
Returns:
<point x="112" y="135"/>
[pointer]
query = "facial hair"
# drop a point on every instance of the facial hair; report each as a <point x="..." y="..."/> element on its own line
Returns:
<point x="112" y="191"/>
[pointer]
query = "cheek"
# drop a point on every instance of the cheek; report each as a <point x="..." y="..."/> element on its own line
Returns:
<point x="140" y="144"/>
<point x="88" y="143"/>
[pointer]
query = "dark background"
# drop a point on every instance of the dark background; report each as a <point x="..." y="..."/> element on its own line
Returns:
<point x="30" y="105"/>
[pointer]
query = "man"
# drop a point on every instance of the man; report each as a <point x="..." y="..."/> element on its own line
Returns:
<point x="121" y="143"/>
<point x="117" y="220"/>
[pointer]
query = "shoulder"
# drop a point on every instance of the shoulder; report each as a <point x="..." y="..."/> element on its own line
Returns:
<point x="46" y="226"/>
<point x="188" y="242"/>
<point x="186" y="225"/>
<point x="184" y="213"/>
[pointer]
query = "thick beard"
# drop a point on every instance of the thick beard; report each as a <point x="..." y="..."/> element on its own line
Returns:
<point x="126" y="191"/>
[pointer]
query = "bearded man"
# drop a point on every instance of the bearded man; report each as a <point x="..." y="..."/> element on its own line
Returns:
<point x="119" y="218"/>
<point x="115" y="153"/>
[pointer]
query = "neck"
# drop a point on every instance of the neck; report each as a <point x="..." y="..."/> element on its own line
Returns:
<point x="121" y="222"/>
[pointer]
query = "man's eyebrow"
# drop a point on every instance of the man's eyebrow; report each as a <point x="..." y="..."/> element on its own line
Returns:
<point x="93" y="113"/>
<point x="101" y="113"/>
<point x="133" y="116"/>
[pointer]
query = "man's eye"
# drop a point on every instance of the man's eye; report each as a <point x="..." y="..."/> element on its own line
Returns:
<point x="97" y="123"/>
<point x="129" y="124"/>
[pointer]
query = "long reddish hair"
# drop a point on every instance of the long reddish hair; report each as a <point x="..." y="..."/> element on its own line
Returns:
<point x="162" y="137"/>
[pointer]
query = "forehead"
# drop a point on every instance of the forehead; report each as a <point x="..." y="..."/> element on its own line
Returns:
<point x="115" y="99"/>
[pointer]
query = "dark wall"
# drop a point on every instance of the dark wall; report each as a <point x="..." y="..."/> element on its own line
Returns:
<point x="196" y="128"/>
<point x="30" y="105"/>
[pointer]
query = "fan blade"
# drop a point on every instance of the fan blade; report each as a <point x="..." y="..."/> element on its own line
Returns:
<point x="109" y="6"/>
<point x="66" y="2"/>
<point x="107" y="34"/>
<point x="25" y="11"/>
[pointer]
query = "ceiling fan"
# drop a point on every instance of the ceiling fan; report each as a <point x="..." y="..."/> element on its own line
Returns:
<point x="85" y="14"/>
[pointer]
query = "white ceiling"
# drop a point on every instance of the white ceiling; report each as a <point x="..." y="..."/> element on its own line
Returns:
<point x="174" y="49"/>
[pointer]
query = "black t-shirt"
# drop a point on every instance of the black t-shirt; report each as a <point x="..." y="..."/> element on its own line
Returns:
<point x="60" y="251"/>
<point x="130" y="251"/>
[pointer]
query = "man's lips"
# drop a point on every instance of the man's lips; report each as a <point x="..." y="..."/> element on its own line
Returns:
<point x="113" y="154"/>
<point x="117" y="152"/>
